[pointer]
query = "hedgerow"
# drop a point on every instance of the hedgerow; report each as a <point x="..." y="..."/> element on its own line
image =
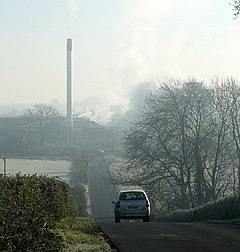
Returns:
<point x="30" y="206"/>
<point x="79" y="169"/>
<point x="222" y="209"/>
<point x="78" y="180"/>
<point x="79" y="193"/>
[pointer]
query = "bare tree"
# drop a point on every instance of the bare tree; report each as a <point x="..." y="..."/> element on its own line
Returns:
<point x="226" y="102"/>
<point x="234" y="91"/>
<point x="164" y="143"/>
<point x="236" y="7"/>
<point x="218" y="159"/>
<point x="43" y="116"/>
<point x="181" y="144"/>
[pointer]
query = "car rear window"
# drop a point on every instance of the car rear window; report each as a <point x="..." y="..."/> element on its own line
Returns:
<point x="132" y="196"/>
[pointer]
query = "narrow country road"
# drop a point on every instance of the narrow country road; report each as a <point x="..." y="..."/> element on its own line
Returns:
<point x="101" y="191"/>
<point x="173" y="237"/>
<point x="137" y="236"/>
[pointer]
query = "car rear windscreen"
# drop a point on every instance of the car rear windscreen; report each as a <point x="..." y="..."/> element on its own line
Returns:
<point x="132" y="196"/>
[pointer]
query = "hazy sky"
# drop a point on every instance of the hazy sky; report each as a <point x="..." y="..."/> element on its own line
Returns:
<point x="117" y="44"/>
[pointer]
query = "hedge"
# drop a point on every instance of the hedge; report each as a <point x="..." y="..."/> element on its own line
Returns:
<point x="79" y="178"/>
<point x="30" y="206"/>
<point x="222" y="209"/>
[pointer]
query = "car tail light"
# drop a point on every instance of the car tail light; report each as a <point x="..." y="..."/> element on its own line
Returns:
<point x="147" y="203"/>
<point x="118" y="204"/>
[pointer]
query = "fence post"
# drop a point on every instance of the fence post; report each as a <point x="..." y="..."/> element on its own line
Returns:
<point x="4" y="166"/>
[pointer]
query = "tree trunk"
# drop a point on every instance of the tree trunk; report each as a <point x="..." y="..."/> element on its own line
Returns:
<point x="199" y="179"/>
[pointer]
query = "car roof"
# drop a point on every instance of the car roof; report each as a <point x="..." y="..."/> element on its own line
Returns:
<point x="131" y="191"/>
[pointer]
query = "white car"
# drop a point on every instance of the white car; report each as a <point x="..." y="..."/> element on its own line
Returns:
<point x="132" y="204"/>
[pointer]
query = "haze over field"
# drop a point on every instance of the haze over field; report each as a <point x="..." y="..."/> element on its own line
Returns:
<point x="117" y="45"/>
<point x="51" y="168"/>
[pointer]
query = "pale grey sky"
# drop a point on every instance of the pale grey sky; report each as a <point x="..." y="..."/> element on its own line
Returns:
<point x="117" y="44"/>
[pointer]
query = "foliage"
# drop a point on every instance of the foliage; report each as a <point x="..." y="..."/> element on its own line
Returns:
<point x="79" y="178"/>
<point x="79" y="169"/>
<point x="183" y="145"/>
<point x="29" y="209"/>
<point x="223" y="209"/>
<point x="78" y="192"/>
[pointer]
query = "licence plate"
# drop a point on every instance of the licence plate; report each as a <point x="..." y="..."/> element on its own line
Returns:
<point x="132" y="207"/>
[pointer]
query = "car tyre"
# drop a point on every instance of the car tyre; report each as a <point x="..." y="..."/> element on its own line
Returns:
<point x="117" y="220"/>
<point x="146" y="219"/>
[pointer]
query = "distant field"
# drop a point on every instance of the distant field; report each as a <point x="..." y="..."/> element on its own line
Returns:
<point x="58" y="168"/>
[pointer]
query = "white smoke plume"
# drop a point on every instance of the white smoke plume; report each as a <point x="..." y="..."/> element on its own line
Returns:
<point x="149" y="49"/>
<point x="71" y="6"/>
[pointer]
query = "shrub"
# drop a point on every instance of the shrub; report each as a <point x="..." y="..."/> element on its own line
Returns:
<point x="79" y="178"/>
<point x="222" y="209"/>
<point x="29" y="209"/>
<point x="79" y="169"/>
<point x="78" y="192"/>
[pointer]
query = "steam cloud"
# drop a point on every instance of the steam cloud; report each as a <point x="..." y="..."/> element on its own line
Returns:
<point x="71" y="6"/>
<point x="149" y="52"/>
<point x="102" y="111"/>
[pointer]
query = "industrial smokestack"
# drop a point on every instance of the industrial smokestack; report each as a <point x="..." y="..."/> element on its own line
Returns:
<point x="69" y="90"/>
<point x="69" y="82"/>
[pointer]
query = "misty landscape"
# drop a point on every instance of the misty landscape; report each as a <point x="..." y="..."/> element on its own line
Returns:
<point x="101" y="98"/>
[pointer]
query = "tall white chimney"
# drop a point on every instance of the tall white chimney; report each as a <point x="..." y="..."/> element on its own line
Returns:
<point x="69" y="89"/>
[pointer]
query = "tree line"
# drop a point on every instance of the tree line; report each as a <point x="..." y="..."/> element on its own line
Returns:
<point x="183" y="145"/>
<point x="40" y="131"/>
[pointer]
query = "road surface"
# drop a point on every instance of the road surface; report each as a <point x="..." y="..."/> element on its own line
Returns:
<point x="172" y="237"/>
<point x="101" y="191"/>
<point x="137" y="236"/>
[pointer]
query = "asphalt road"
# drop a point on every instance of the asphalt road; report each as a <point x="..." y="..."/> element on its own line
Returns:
<point x="101" y="191"/>
<point x="136" y="236"/>
<point x="171" y="237"/>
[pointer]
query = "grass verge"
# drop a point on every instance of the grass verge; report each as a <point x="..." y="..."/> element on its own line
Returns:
<point x="82" y="234"/>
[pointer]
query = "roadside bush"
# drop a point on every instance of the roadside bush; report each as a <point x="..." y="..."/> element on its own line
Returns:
<point x="57" y="200"/>
<point x="178" y="215"/>
<point x="79" y="169"/>
<point x="79" y="178"/>
<point x="78" y="192"/>
<point x="223" y="209"/>
<point x="29" y="209"/>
